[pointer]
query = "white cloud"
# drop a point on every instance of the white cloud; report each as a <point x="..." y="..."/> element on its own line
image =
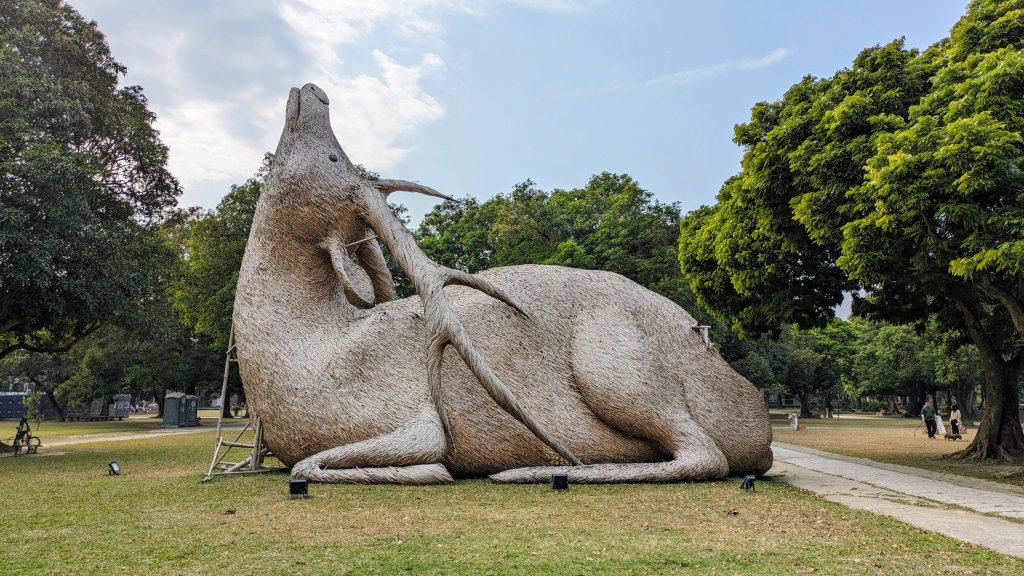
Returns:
<point x="768" y="59"/>
<point x="686" y="76"/>
<point x="218" y="83"/>
<point x="372" y="113"/>
<point x="202" y="144"/>
<point x="322" y="26"/>
<point x="557" y="6"/>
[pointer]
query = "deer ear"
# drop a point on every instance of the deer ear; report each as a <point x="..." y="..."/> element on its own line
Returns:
<point x="388" y="186"/>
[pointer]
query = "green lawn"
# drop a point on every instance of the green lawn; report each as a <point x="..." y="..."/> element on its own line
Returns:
<point x="64" y="514"/>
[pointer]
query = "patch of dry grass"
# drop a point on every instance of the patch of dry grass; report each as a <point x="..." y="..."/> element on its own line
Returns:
<point x="898" y="445"/>
<point x="64" y="514"/>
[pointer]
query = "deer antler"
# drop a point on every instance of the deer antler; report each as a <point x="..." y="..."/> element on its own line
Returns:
<point x="443" y="326"/>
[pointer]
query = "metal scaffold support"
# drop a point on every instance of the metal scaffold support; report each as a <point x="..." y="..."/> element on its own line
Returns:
<point x="257" y="449"/>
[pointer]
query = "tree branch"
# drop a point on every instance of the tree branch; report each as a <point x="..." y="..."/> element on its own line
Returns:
<point x="1005" y="298"/>
<point x="985" y="283"/>
<point x="52" y="348"/>
<point x="9" y="324"/>
<point x="972" y="323"/>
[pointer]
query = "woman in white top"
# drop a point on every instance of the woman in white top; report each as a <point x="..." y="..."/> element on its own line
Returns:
<point x="954" y="418"/>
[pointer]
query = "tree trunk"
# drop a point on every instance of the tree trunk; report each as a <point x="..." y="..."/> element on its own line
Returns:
<point x="243" y="401"/>
<point x="965" y="397"/>
<point x="894" y="404"/>
<point x="917" y="398"/>
<point x="56" y="405"/>
<point x="827" y="401"/>
<point x="805" y="405"/>
<point x="999" y="436"/>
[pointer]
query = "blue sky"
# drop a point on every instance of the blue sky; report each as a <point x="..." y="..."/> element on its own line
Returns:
<point x="471" y="97"/>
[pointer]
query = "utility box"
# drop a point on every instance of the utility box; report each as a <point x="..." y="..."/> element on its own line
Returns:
<point x="180" y="410"/>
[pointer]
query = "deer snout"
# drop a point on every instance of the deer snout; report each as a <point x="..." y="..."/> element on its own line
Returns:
<point x="320" y="94"/>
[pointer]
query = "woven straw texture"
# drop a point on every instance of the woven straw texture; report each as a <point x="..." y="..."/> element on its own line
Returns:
<point x="515" y="373"/>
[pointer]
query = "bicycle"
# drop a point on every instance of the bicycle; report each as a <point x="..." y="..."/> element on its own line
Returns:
<point x="24" y="440"/>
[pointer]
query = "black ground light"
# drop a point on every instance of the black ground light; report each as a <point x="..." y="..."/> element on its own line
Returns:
<point x="298" y="488"/>
<point x="113" y="468"/>
<point x="748" y="483"/>
<point x="560" y="481"/>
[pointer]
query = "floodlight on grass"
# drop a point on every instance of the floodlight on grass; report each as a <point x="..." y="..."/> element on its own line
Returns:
<point x="748" y="483"/>
<point x="298" y="488"/>
<point x="560" y="481"/>
<point x="113" y="468"/>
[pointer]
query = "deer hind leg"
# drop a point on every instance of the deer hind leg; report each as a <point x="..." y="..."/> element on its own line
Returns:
<point x="619" y="375"/>
<point x="410" y="455"/>
<point x="694" y="458"/>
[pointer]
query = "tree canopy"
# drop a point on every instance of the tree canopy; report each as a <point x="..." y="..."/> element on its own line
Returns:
<point x="84" y="180"/>
<point x="803" y="363"/>
<point x="212" y="245"/>
<point x="610" y="224"/>
<point x="933" y="224"/>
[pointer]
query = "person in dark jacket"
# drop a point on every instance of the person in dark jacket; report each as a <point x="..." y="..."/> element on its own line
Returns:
<point x="928" y="415"/>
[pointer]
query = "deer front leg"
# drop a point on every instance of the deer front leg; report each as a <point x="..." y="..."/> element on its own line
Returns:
<point x="372" y="259"/>
<point x="411" y="454"/>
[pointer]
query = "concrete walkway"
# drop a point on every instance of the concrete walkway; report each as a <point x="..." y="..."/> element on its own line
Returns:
<point x="985" y="513"/>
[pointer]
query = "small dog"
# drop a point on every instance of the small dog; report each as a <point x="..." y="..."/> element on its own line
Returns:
<point x="951" y="436"/>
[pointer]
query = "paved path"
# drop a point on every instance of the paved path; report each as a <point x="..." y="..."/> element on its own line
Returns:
<point x="986" y="513"/>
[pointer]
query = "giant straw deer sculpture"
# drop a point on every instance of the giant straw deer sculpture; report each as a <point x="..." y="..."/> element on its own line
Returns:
<point x="555" y="369"/>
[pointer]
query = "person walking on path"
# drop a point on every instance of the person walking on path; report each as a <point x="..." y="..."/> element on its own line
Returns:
<point x="954" y="418"/>
<point x="928" y="415"/>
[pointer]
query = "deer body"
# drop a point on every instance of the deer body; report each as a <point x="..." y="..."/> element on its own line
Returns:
<point x="546" y="367"/>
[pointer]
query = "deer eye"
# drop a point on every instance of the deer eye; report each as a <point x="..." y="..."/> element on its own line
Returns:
<point x="332" y="158"/>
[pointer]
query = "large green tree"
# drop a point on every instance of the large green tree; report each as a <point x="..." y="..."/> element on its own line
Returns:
<point x="932" y="226"/>
<point x="83" y="180"/>
<point x="148" y="352"/>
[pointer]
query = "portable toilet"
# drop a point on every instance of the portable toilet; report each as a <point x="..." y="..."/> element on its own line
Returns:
<point x="188" y="411"/>
<point x="122" y="406"/>
<point x="172" y="409"/>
